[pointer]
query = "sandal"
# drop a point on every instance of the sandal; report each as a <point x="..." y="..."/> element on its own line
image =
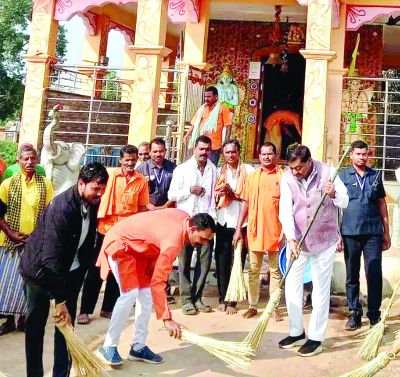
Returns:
<point x="251" y="312"/>
<point x="104" y="314"/>
<point x="202" y="307"/>
<point x="189" y="309"/>
<point x="83" y="319"/>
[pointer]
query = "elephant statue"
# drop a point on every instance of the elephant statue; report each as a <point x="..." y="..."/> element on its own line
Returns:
<point x="60" y="160"/>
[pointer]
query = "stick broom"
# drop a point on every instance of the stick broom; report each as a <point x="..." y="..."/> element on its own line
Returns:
<point x="254" y="337"/>
<point x="237" y="288"/>
<point x="373" y="337"/>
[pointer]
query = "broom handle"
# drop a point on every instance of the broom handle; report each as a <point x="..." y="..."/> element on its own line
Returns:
<point x="304" y="235"/>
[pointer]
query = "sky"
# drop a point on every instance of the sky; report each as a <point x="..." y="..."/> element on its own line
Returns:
<point x="75" y="32"/>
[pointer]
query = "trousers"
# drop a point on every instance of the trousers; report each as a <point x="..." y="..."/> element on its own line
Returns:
<point x="371" y="247"/>
<point x="93" y="283"/>
<point x="256" y="258"/>
<point x="321" y="273"/>
<point x="224" y="259"/>
<point x="192" y="290"/>
<point x="38" y="307"/>
<point x="122" y="309"/>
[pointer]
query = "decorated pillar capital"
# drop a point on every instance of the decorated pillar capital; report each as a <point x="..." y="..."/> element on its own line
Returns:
<point x="319" y="54"/>
<point x="151" y="50"/>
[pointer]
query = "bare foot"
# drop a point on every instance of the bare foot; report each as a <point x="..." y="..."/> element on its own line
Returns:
<point x="83" y="319"/>
<point x="231" y="310"/>
<point x="277" y="316"/>
<point x="251" y="312"/>
<point x="221" y="307"/>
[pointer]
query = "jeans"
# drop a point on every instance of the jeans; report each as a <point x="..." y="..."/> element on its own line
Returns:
<point x="93" y="283"/>
<point x="38" y="306"/>
<point x="371" y="248"/>
<point x="224" y="259"/>
<point x="191" y="291"/>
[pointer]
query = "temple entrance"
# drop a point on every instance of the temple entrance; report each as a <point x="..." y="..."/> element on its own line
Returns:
<point x="282" y="103"/>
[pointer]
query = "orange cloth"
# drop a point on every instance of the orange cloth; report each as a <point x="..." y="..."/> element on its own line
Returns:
<point x="262" y="192"/>
<point x="122" y="198"/>
<point x="222" y="200"/>
<point x="145" y="246"/>
<point x="224" y="120"/>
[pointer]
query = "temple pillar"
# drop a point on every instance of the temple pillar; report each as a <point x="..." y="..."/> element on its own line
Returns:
<point x="94" y="51"/>
<point x="196" y="36"/>
<point x="335" y="91"/>
<point x="128" y="73"/>
<point x="39" y="58"/>
<point x="149" y="47"/>
<point x="317" y="54"/>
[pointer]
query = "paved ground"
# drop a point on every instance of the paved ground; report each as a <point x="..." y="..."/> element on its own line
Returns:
<point x="183" y="360"/>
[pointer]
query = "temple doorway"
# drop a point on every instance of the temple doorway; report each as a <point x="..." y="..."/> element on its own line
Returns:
<point x="282" y="103"/>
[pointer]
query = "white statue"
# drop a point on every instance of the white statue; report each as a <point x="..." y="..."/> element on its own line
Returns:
<point x="60" y="160"/>
<point x="228" y="91"/>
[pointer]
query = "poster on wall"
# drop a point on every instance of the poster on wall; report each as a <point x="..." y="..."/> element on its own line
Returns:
<point x="254" y="70"/>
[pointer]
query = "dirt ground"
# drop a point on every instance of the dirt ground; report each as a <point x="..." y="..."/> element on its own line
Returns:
<point x="183" y="360"/>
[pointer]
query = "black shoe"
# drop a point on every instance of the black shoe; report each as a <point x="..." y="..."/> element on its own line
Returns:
<point x="354" y="321"/>
<point x="310" y="348"/>
<point x="293" y="341"/>
<point x="7" y="327"/>
<point x="373" y="322"/>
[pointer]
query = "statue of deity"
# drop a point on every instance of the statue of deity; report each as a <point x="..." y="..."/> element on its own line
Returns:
<point x="228" y="91"/>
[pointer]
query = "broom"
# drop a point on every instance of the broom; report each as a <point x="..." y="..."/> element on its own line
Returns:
<point x="237" y="288"/>
<point x="235" y="354"/>
<point x="85" y="362"/>
<point x="378" y="363"/>
<point x="254" y="337"/>
<point x="373" y="337"/>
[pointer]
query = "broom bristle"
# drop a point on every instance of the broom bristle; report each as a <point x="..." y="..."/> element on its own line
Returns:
<point x="373" y="367"/>
<point x="237" y="287"/>
<point x="84" y="361"/>
<point x="253" y="338"/>
<point x="235" y="354"/>
<point x="370" y="345"/>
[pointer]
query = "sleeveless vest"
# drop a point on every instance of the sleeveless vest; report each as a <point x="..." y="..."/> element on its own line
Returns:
<point x="324" y="231"/>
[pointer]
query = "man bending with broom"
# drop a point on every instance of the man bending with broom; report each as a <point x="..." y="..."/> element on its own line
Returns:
<point x="302" y="187"/>
<point x="140" y="251"/>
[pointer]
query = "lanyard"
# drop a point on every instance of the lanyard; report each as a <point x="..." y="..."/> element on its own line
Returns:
<point x="159" y="176"/>
<point x="361" y="182"/>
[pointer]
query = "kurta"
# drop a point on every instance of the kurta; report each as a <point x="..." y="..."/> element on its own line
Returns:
<point x="145" y="246"/>
<point x="262" y="192"/>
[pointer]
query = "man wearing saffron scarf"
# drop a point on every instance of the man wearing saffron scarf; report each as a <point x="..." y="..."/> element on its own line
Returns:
<point x="23" y="198"/>
<point x="211" y="119"/>
<point x="232" y="177"/>
<point x="264" y="231"/>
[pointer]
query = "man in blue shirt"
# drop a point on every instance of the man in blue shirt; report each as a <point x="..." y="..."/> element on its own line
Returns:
<point x="365" y="229"/>
<point x="158" y="172"/>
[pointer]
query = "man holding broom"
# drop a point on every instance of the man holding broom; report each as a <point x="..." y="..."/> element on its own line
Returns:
<point x="365" y="229"/>
<point x="140" y="251"/>
<point x="302" y="187"/>
<point x="264" y="232"/>
<point x="232" y="178"/>
<point x="54" y="263"/>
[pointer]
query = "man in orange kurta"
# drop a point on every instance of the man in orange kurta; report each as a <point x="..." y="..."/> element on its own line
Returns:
<point x="127" y="193"/>
<point x="264" y="231"/>
<point x="140" y="251"/>
<point x="212" y="119"/>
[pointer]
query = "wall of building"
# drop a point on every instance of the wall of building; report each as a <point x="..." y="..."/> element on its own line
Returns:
<point x="235" y="44"/>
